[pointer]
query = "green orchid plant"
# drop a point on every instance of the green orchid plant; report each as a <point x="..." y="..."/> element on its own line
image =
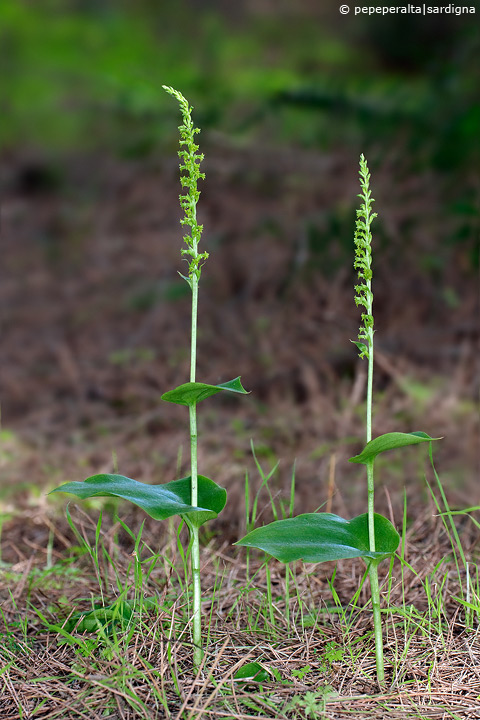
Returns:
<point x="320" y="537"/>
<point x="196" y="498"/>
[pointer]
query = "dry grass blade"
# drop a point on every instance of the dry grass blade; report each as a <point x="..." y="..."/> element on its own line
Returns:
<point x="432" y="662"/>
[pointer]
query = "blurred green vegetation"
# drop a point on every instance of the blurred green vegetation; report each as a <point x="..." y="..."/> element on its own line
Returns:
<point x="86" y="75"/>
<point x="78" y="73"/>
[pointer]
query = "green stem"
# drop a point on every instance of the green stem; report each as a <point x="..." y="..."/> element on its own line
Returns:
<point x="195" y="558"/>
<point x="193" y="348"/>
<point x="371" y="505"/>
<point x="373" y="569"/>
<point x="377" y="622"/>
<point x="370" y="383"/>
<point x="364" y="298"/>
<point x="287" y="596"/>
<point x="370" y="478"/>
<point x="190" y="173"/>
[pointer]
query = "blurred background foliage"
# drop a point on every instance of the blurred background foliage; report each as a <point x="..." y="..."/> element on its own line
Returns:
<point x="84" y="74"/>
<point x="288" y="93"/>
<point x="77" y="72"/>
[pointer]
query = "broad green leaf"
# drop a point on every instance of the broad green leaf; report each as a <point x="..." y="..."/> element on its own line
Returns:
<point x="211" y="498"/>
<point x="252" y="671"/>
<point x="158" y="501"/>
<point x="389" y="441"/>
<point x="192" y="393"/>
<point x="318" y="537"/>
<point x="102" y="617"/>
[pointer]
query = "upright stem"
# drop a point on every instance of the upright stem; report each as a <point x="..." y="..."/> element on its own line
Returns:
<point x="377" y="621"/>
<point x="190" y="161"/>
<point x="370" y="479"/>
<point x="369" y="384"/>
<point x="363" y="263"/>
<point x="195" y="549"/>
<point x="193" y="347"/>
<point x="373" y="569"/>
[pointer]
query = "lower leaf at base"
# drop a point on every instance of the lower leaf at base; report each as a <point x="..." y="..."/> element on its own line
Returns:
<point x="158" y="501"/>
<point x="319" y="537"/>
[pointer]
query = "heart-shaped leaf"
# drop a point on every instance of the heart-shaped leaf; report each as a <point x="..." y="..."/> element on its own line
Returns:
<point x="318" y="537"/>
<point x="192" y="393"/>
<point x="158" y="501"/>
<point x="389" y="441"/>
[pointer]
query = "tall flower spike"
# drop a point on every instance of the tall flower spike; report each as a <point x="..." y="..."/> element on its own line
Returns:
<point x="363" y="260"/>
<point x="190" y="169"/>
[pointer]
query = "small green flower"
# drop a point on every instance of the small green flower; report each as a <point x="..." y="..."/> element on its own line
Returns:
<point x="190" y="169"/>
<point x="363" y="260"/>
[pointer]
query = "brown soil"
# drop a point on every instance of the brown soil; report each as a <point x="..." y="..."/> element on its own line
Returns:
<point x="95" y="327"/>
<point x="96" y="322"/>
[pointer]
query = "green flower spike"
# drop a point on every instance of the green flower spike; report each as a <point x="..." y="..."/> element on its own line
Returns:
<point x="363" y="260"/>
<point x="190" y="175"/>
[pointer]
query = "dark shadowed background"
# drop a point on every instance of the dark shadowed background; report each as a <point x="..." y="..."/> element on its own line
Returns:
<point x="94" y="317"/>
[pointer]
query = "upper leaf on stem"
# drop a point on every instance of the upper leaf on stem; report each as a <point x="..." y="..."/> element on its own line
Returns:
<point x="193" y="392"/>
<point x="389" y="441"/>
